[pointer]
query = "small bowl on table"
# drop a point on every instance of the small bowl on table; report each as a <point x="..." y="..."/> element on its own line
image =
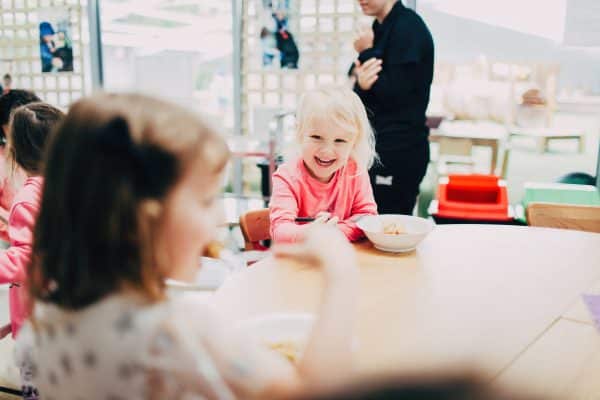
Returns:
<point x="395" y="233"/>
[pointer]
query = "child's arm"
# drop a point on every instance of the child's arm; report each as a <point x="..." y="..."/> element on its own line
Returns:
<point x="328" y="356"/>
<point x="251" y="369"/>
<point x="13" y="261"/>
<point x="207" y="355"/>
<point x="364" y="204"/>
<point x="283" y="212"/>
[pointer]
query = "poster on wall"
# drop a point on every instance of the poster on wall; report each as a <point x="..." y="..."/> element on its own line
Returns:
<point x="56" y="43"/>
<point x="277" y="42"/>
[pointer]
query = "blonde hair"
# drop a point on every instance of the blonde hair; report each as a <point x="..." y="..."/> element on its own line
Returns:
<point x="343" y="107"/>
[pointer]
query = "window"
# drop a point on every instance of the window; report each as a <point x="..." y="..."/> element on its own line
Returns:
<point x="178" y="50"/>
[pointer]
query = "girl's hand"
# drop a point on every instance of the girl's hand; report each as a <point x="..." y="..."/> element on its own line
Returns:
<point x="326" y="248"/>
<point x="325" y="218"/>
<point x="363" y="38"/>
<point x="367" y="73"/>
<point x="322" y="217"/>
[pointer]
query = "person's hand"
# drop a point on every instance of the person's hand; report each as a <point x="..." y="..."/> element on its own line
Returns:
<point x="325" y="218"/>
<point x="326" y="248"/>
<point x="367" y="73"/>
<point x="363" y="39"/>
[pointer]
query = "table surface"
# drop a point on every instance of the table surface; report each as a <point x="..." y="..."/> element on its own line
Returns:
<point x="471" y="130"/>
<point x="503" y="298"/>
<point x="547" y="132"/>
<point x="480" y="135"/>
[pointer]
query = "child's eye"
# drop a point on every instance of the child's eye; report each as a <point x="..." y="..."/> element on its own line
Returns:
<point x="341" y="141"/>
<point x="315" y="137"/>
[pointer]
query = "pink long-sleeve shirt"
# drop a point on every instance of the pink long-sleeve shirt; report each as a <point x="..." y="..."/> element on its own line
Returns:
<point x="348" y="195"/>
<point x="13" y="261"/>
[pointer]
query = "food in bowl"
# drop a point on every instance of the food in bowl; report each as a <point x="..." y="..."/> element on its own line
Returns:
<point x="394" y="228"/>
<point x="285" y="333"/>
<point x="290" y="349"/>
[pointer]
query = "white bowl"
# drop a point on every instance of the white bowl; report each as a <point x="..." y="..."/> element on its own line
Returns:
<point x="280" y="329"/>
<point x="209" y="277"/>
<point x="416" y="229"/>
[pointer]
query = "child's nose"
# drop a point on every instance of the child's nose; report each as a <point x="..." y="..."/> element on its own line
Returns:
<point x="326" y="149"/>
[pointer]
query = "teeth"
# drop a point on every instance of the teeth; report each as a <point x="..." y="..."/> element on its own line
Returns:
<point x="326" y="162"/>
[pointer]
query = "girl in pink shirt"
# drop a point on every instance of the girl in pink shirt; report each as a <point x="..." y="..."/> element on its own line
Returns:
<point x="329" y="181"/>
<point x="29" y="128"/>
<point x="9" y="183"/>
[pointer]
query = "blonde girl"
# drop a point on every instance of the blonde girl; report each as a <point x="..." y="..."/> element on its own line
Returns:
<point x="328" y="181"/>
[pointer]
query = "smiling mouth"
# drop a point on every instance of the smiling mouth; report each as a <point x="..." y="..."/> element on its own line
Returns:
<point x="324" y="163"/>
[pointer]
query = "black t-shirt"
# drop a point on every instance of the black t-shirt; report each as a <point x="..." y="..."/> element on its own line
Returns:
<point x="397" y="102"/>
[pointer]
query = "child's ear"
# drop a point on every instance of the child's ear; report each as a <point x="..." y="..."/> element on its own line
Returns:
<point x="152" y="208"/>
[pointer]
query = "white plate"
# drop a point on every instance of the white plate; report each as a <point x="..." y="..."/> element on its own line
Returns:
<point x="210" y="276"/>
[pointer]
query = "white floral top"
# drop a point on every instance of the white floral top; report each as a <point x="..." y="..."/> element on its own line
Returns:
<point x="120" y="348"/>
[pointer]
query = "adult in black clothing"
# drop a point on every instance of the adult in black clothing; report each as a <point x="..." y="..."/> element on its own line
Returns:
<point x="393" y="74"/>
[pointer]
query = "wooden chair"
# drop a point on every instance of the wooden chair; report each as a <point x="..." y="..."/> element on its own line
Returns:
<point x="455" y="152"/>
<point x="505" y="160"/>
<point x="565" y="216"/>
<point x="256" y="228"/>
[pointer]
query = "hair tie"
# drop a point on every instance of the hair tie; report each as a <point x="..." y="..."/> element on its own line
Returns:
<point x="153" y="169"/>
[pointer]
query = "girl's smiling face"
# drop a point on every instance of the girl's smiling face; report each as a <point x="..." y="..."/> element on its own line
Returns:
<point x="326" y="147"/>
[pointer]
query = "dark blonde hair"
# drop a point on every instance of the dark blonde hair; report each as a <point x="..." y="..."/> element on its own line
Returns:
<point x="30" y="128"/>
<point x="110" y="155"/>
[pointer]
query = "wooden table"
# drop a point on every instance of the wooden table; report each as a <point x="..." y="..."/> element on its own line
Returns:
<point x="543" y="136"/>
<point x="502" y="297"/>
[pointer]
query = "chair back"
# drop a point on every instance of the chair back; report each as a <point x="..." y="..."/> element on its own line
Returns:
<point x="565" y="216"/>
<point x="256" y="228"/>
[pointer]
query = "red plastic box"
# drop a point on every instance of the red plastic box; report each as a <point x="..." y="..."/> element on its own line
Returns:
<point x="473" y="197"/>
